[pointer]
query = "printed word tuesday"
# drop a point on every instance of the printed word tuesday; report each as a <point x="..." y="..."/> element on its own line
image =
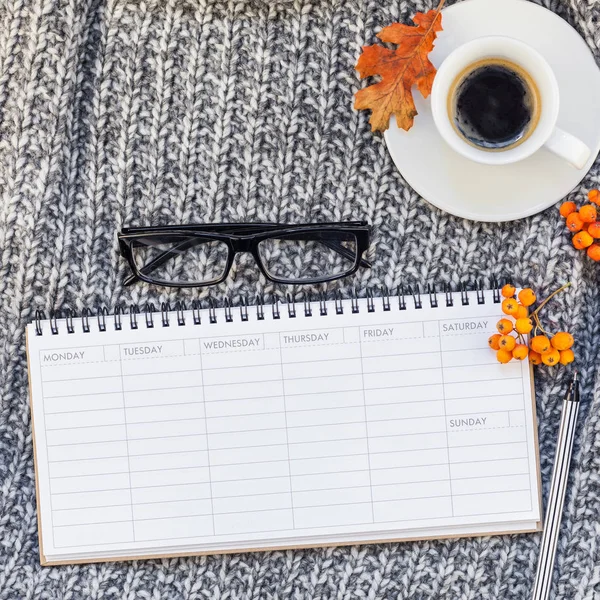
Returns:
<point x="142" y="350"/>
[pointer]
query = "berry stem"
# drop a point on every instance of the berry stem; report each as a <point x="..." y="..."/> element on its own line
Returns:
<point x="538" y="325"/>
<point x="534" y="314"/>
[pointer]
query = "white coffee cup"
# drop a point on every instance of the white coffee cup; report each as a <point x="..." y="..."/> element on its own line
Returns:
<point x="545" y="132"/>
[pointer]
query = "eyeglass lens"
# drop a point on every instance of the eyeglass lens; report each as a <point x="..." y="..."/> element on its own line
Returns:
<point x="181" y="259"/>
<point x="308" y="256"/>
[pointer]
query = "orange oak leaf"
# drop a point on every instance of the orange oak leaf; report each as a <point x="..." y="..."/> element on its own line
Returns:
<point x="399" y="70"/>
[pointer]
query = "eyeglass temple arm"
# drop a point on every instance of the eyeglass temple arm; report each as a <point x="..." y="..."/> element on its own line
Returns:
<point x="349" y="254"/>
<point x="337" y="247"/>
<point x="163" y="257"/>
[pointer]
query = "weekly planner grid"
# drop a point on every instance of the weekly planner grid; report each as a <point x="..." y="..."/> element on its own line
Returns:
<point x="279" y="432"/>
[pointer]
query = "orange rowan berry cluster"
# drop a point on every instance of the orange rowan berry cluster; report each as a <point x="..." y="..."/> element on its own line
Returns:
<point x="585" y="224"/>
<point x="510" y="341"/>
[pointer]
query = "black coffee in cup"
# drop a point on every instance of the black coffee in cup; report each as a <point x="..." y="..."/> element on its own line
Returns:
<point x="494" y="104"/>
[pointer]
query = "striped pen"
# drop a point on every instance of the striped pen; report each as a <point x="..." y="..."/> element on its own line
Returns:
<point x="558" y="487"/>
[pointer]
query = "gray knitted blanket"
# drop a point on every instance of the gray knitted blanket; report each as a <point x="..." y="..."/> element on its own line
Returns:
<point x="115" y="113"/>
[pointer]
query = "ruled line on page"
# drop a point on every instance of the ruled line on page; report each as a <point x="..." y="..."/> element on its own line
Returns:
<point x="294" y="410"/>
<point x="268" y="531"/>
<point x="158" y="389"/>
<point x="160" y="437"/>
<point x="375" y="485"/>
<point x="170" y="469"/>
<point x="258" y="510"/>
<point x="245" y="478"/>
<point x="312" y="443"/>
<point x="174" y="372"/>
<point x="332" y="423"/>
<point x="205" y="451"/>
<point x="286" y="493"/>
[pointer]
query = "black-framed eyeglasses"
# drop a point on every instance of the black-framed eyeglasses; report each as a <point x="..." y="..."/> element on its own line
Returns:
<point x="201" y="255"/>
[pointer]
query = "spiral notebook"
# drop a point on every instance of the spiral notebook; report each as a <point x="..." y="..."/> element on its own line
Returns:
<point x="278" y="426"/>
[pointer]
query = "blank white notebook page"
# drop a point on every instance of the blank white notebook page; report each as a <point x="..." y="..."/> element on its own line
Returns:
<point x="302" y="430"/>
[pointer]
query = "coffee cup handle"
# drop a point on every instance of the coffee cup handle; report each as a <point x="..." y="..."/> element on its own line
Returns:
<point x="567" y="146"/>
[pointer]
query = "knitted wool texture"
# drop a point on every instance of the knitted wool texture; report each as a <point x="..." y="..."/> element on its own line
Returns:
<point x="115" y="113"/>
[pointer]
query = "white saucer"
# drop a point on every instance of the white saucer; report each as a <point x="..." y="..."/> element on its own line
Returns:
<point x="503" y="193"/>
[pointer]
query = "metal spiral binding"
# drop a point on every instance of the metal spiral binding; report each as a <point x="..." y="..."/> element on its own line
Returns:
<point x="433" y="301"/>
<point x="196" y="313"/>
<point x="102" y="314"/>
<point x="464" y="296"/>
<point x="149" y="314"/>
<point x="118" y="323"/>
<point x="275" y="308"/>
<point x="307" y="306"/>
<point x="354" y="302"/>
<point x="385" y="299"/>
<point x="212" y="312"/>
<point x="449" y="297"/>
<point x="480" y="295"/>
<point x="39" y="317"/>
<point x="260" y="312"/>
<point x="177" y="315"/>
<point x="401" y="298"/>
<point x="180" y="310"/>
<point x="323" y="304"/>
<point x="496" y="291"/>
<point x="291" y="306"/>
<point x="165" y="309"/>
<point x="370" y="301"/>
<point x="134" y="311"/>
<point x="227" y="310"/>
<point x="339" y="304"/>
<point x="54" y="324"/>
<point x="418" y="302"/>
<point x="86" y="313"/>
<point x="69" y="320"/>
<point x="244" y="309"/>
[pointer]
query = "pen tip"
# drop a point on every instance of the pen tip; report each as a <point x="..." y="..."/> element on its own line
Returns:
<point x="575" y="376"/>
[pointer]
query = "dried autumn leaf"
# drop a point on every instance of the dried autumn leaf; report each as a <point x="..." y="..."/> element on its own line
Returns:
<point x="399" y="70"/>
